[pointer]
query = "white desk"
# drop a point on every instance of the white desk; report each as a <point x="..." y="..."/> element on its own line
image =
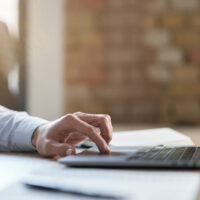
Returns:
<point x="14" y="166"/>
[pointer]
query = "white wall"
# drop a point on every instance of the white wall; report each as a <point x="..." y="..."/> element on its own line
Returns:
<point x="44" y="58"/>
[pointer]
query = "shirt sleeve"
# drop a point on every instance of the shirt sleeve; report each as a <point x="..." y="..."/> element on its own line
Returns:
<point x="16" y="130"/>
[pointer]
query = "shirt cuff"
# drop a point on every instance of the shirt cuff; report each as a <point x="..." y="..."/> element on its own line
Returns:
<point x="24" y="132"/>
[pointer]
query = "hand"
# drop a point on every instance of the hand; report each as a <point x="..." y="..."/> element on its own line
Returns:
<point x="58" y="138"/>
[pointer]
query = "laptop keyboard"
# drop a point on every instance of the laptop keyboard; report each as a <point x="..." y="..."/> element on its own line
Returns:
<point x="167" y="154"/>
<point x="147" y="157"/>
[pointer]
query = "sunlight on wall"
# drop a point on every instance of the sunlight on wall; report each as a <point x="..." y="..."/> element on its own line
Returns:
<point x="9" y="14"/>
<point x="9" y="19"/>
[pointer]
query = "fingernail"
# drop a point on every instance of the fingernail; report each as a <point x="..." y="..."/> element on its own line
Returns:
<point x="107" y="149"/>
<point x="69" y="152"/>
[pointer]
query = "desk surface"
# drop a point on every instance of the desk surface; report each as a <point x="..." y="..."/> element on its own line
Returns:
<point x="15" y="166"/>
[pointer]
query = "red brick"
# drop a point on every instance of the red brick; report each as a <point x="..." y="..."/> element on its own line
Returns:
<point x="93" y="75"/>
<point x="185" y="75"/>
<point x="116" y="4"/>
<point x="150" y="21"/>
<point x="193" y="56"/>
<point x="178" y="110"/>
<point x="159" y="6"/>
<point x="194" y="20"/>
<point x="144" y="111"/>
<point x="110" y="63"/>
<point x="188" y="38"/>
<point x="72" y="75"/>
<point x="160" y="73"/>
<point x="173" y="21"/>
<point x="92" y="5"/>
<point x="183" y="90"/>
<point x="185" y="5"/>
<point x="157" y="38"/>
<point x="124" y="19"/>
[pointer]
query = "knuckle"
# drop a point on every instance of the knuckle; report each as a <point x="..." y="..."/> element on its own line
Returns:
<point x="69" y="117"/>
<point x="108" y="117"/>
<point x="78" y="113"/>
<point x="104" y="119"/>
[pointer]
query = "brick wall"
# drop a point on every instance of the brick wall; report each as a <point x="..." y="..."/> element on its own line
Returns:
<point x="136" y="60"/>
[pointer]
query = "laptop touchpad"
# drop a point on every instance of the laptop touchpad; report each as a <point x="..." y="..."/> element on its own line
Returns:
<point x="115" y="151"/>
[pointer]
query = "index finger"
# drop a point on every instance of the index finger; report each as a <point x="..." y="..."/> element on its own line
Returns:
<point x="89" y="131"/>
<point x="99" y="120"/>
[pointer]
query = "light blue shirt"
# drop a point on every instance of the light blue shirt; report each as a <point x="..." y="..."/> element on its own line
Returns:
<point x="16" y="130"/>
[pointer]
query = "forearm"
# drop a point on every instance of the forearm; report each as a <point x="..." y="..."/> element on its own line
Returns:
<point x="16" y="130"/>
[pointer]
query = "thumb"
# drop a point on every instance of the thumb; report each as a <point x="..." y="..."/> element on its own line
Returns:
<point x="59" y="149"/>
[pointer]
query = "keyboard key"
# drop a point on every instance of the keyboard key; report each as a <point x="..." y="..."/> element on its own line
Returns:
<point x="196" y="157"/>
<point x="163" y="154"/>
<point x="139" y="154"/>
<point x="176" y="155"/>
<point x="151" y="154"/>
<point x="188" y="154"/>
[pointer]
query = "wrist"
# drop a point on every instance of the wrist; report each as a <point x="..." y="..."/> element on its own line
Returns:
<point x="35" y="136"/>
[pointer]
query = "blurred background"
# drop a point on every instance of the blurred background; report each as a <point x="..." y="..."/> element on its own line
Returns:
<point x="137" y="60"/>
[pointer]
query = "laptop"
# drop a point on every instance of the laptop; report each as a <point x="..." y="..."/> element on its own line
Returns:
<point x="185" y="157"/>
